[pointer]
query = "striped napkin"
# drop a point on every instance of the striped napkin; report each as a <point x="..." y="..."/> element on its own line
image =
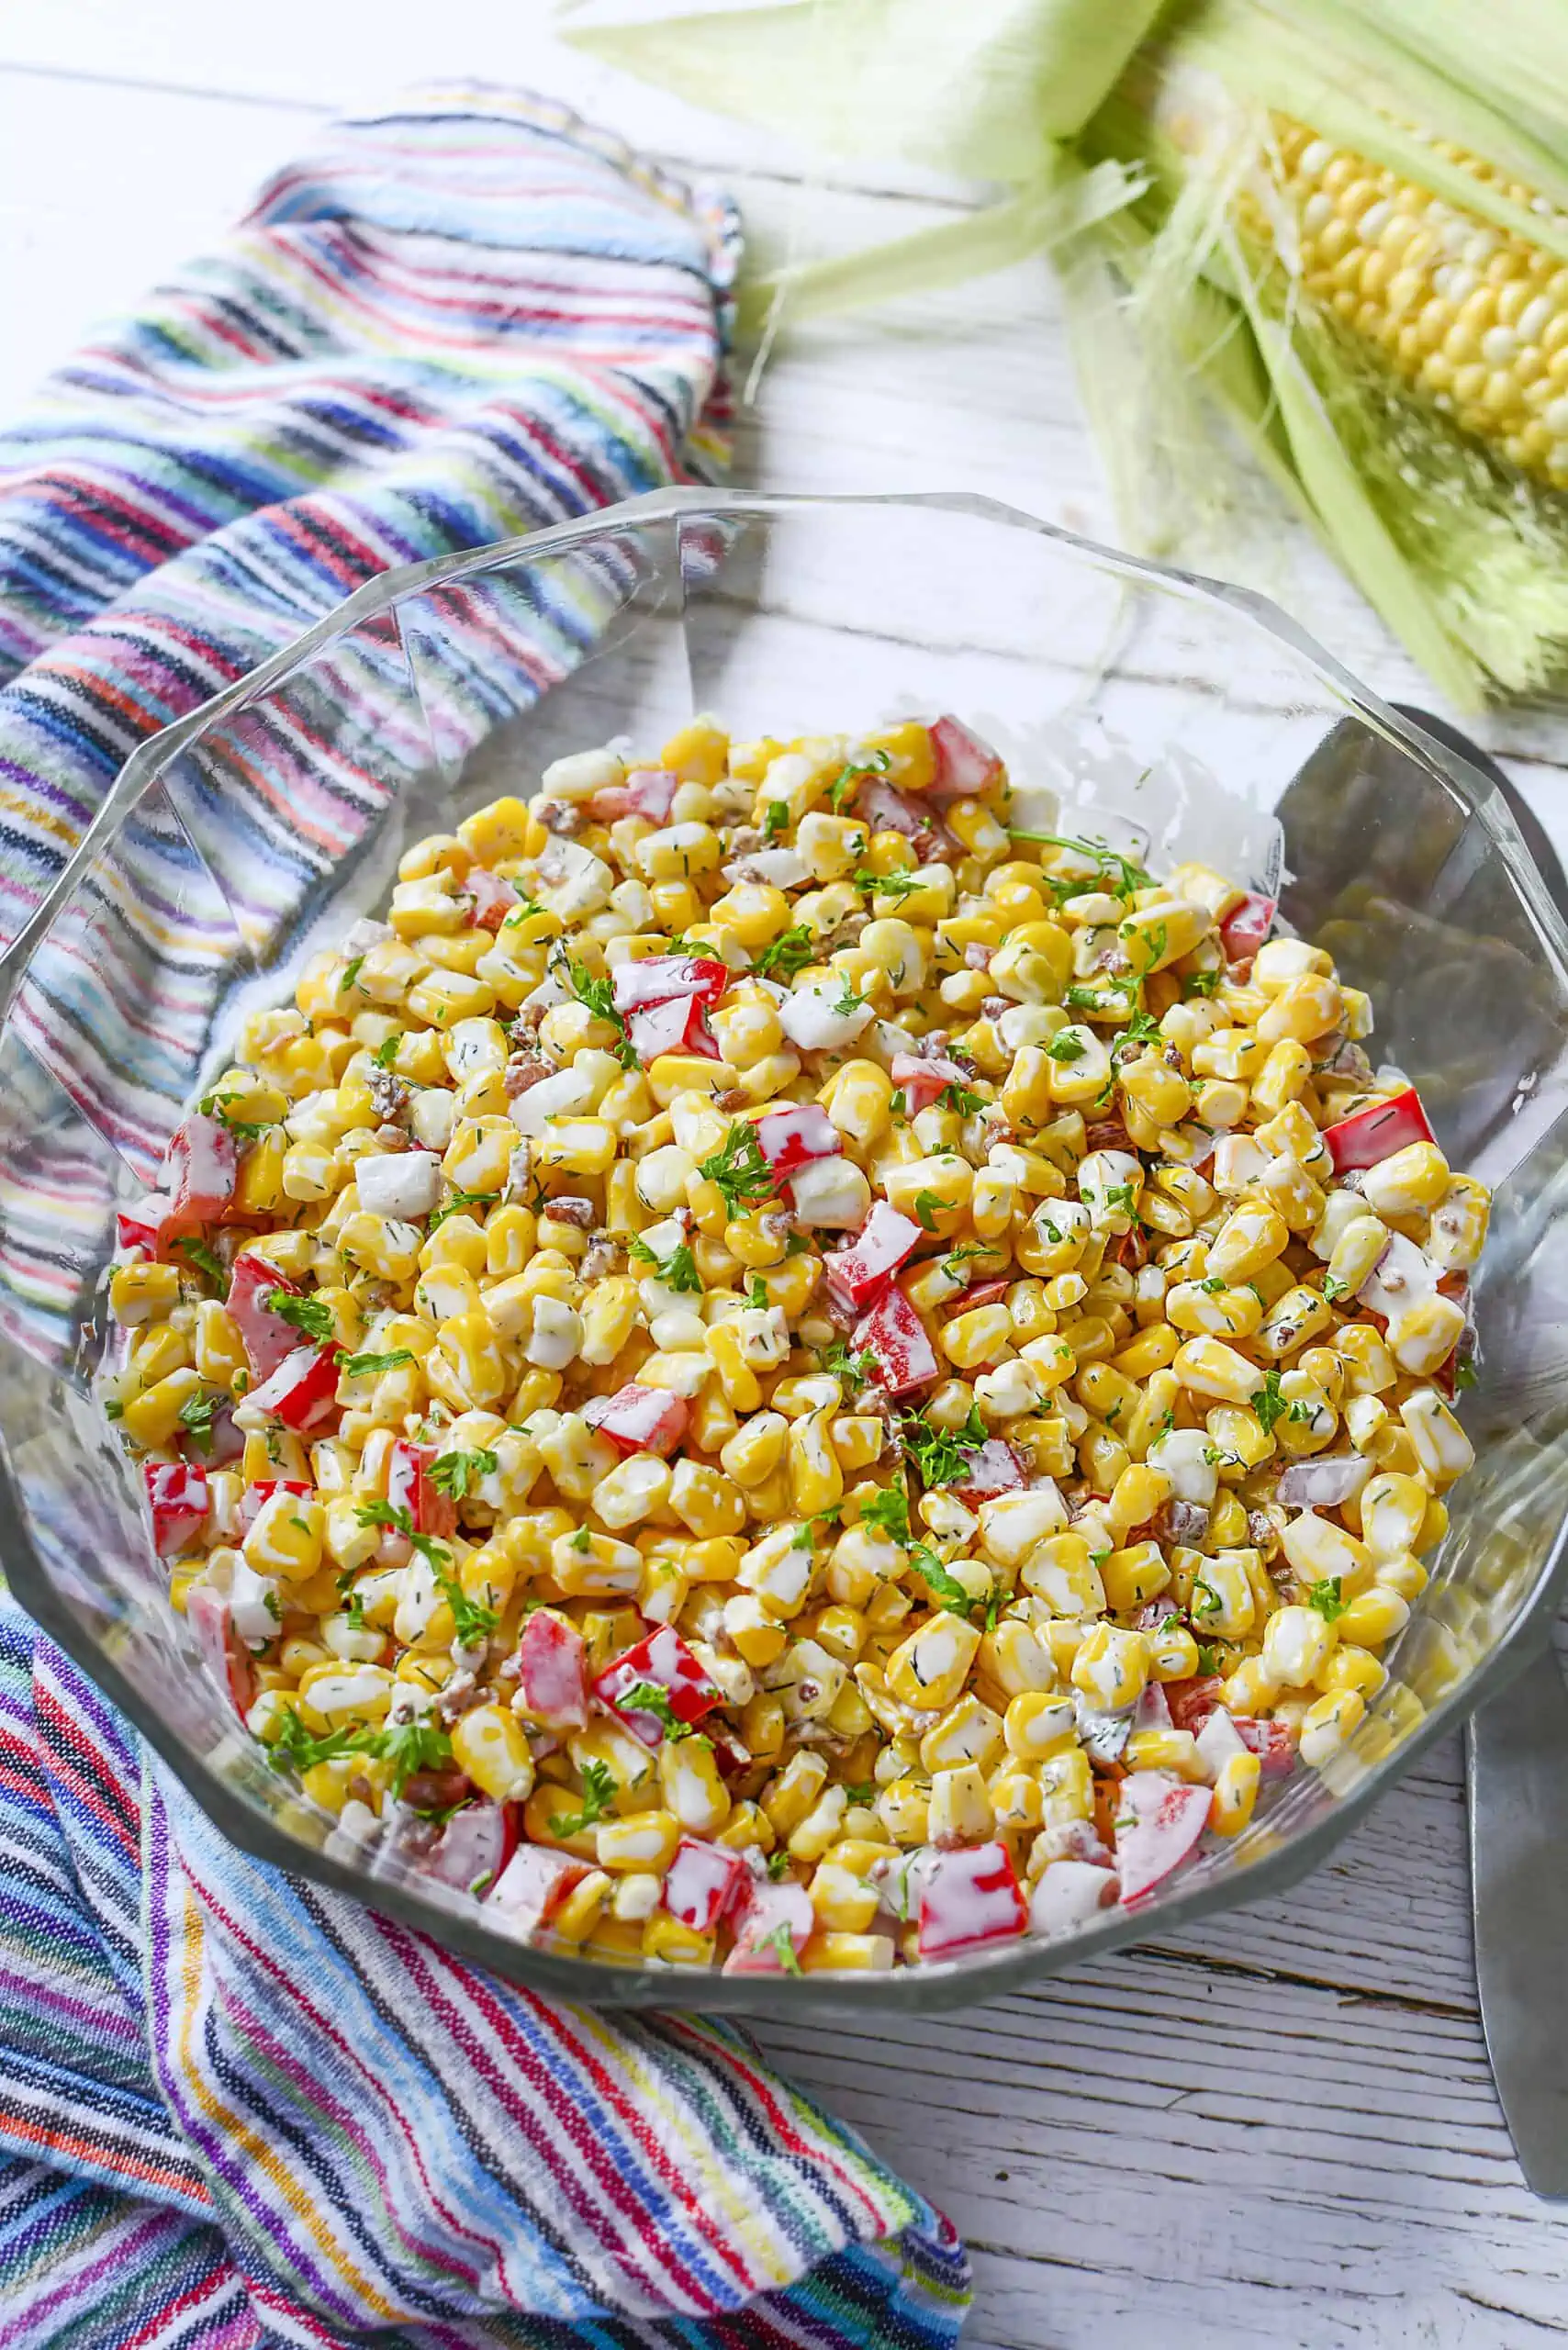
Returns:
<point x="235" y="2110"/>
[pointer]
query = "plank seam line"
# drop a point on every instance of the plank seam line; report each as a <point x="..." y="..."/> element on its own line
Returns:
<point x="1451" y="2010"/>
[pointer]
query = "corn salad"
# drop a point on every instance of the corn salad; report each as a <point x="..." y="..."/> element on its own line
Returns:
<point x="775" y="1371"/>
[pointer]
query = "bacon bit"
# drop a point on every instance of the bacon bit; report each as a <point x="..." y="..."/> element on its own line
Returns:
<point x="1108" y="1133"/>
<point x="562" y="817"/>
<point x="524" y="1070"/>
<point x="976" y="957"/>
<point x="1131" y="1249"/>
<point x="580" y="1213"/>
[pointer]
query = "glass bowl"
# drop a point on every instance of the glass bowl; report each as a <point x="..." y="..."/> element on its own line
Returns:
<point x="1164" y="712"/>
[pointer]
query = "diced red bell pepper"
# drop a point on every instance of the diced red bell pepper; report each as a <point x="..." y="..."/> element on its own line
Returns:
<point x="1270" y="1741"/>
<point x="253" y="1497"/>
<point x="894" y="1336"/>
<point x="982" y="1294"/>
<point x="1371" y="1134"/>
<point x="920" y="1082"/>
<point x="410" y="1487"/>
<point x="531" y="1889"/>
<point x="140" y="1227"/>
<point x="965" y="765"/>
<point x="994" y="1469"/>
<point x="267" y="1338"/>
<point x="664" y="1658"/>
<point x="1192" y="1702"/>
<point x="301" y="1390"/>
<point x="177" y="1495"/>
<point x="971" y="1896"/>
<point x="472" y="1851"/>
<point x="660" y="979"/>
<point x="549" y="1660"/>
<point x="639" y="1419"/>
<point x="679" y="1026"/>
<point x="702" y="1882"/>
<point x="204" y="1166"/>
<point x="224" y="1654"/>
<point x="856" y="1275"/>
<point x="772" y="1913"/>
<point x="792" y="1139"/>
<point x="1159" y="1819"/>
<point x="1242" y="933"/>
<point x="493" y="898"/>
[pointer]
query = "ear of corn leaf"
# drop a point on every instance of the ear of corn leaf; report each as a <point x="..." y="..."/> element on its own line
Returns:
<point x="1333" y="215"/>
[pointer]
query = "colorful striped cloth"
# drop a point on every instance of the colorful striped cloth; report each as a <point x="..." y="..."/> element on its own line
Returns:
<point x="235" y="2111"/>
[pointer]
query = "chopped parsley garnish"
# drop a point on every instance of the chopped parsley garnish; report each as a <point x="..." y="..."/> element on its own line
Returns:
<point x="862" y="1791"/>
<point x="849" y="999"/>
<point x="415" y="1745"/>
<point x="1120" y="1196"/>
<point x="1118" y="874"/>
<point x="600" y="1787"/>
<point x="805" y="1536"/>
<point x="850" y="774"/>
<point x="386" y="1053"/>
<point x="782" y="1940"/>
<point x="1326" y="1598"/>
<point x="216" y="1105"/>
<point x="776" y="818"/>
<point x="311" y="1315"/>
<point x="740" y="1170"/>
<point x="599" y="997"/>
<point x="205" y="1260"/>
<point x="195" y="1414"/>
<point x="652" y="1698"/>
<point x="392" y="1514"/>
<point x="1465" y="1373"/>
<point x="897" y="884"/>
<point x="946" y="1589"/>
<point x="1269" y="1403"/>
<point x="779" y="1863"/>
<point x="458" y="1202"/>
<point x="961" y="1101"/>
<point x="1199" y="983"/>
<point x="369" y="1365"/>
<point x="787" y="954"/>
<point x="351" y="973"/>
<point x="756" y="1293"/>
<point x="472" y="1619"/>
<point x="1333" y="1291"/>
<point x="1205" y="1601"/>
<point x="898" y="1103"/>
<point x="941" y="1455"/>
<point x="1213" y="1286"/>
<point x="953" y="1261"/>
<point x="1066" y="1048"/>
<point x="843" y="1364"/>
<point x="1139" y="1028"/>
<point x="929" y="1206"/>
<point x="113" y="1410"/>
<point x="889" y="1510"/>
<point x="677" y="1271"/>
<point x="455" y="1473"/>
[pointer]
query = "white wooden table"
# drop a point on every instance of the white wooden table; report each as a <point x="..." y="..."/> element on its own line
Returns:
<point x="1281" y="2129"/>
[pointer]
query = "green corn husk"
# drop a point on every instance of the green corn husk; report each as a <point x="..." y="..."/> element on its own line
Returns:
<point x="1140" y="145"/>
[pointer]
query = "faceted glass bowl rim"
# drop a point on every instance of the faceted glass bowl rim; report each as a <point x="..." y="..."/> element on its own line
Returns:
<point x="912" y="1989"/>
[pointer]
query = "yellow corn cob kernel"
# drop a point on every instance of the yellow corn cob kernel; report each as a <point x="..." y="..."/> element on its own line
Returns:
<point x="843" y="1902"/>
<point x="1061" y="1572"/>
<point x="1252" y="1236"/>
<point x="1374" y="1618"/>
<point x="1318" y="1549"/>
<point x="153" y="1417"/>
<point x="1370" y="1369"/>
<point x="382" y="1246"/>
<point x="821" y="1828"/>
<point x="1222" y="1600"/>
<point x="1328" y="1723"/>
<point x="756" y="1449"/>
<point x="1249" y="1689"/>
<point x="789" y="1798"/>
<point x="1173" y="1653"/>
<point x="1297" y="1644"/>
<point x="967" y="1732"/>
<point x="1208" y="1367"/>
<point x="1354" y="1668"/>
<point x="1377" y="249"/>
<point x="1112" y="1666"/>
<point x="840" y="1953"/>
<point x="156" y="1350"/>
<point x="585" y="1565"/>
<point x="1067" y="1785"/>
<point x="1235" y="1794"/>
<point x="143" y="1293"/>
<point x="1134" y="1575"/>
<point x="666" y="1939"/>
<point x="488" y="1743"/>
<point x="1164" y="1749"/>
<point x="1392" y="1509"/>
<point x="638" y="1841"/>
<point x="332" y="1696"/>
<point x="816" y="1481"/>
<point x="930" y="1667"/>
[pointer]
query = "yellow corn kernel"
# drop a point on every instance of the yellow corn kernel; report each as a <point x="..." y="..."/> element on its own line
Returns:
<point x="839" y="1953"/>
<point x="1282" y="1077"/>
<point x="930" y="1667"/>
<point x="1061" y="1572"/>
<point x="153" y="1418"/>
<point x="664" y="1938"/>
<point x="1067" y="1785"/>
<point x="638" y="1841"/>
<point x="1319" y="1549"/>
<point x="816" y="1481"/>
<point x="488" y="1743"/>
<point x="1208" y="1367"/>
<point x="443" y="998"/>
<point x="382" y="1246"/>
<point x="707" y="1503"/>
<point x="960" y="1810"/>
<point x="1164" y="1749"/>
<point x="1295" y="1320"/>
<point x="1328" y="1723"/>
<point x="1374" y="1618"/>
<point x="143" y="1293"/>
<point x="1249" y="1689"/>
<point x="843" y="1902"/>
<point x="1250" y="1237"/>
<point x="1224" y="1600"/>
<point x="1112" y="1666"/>
<point x="1134" y="1576"/>
<point x="1235" y="1795"/>
<point x="1354" y="1668"/>
<point x="787" y="1799"/>
<point x="979" y="1337"/>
